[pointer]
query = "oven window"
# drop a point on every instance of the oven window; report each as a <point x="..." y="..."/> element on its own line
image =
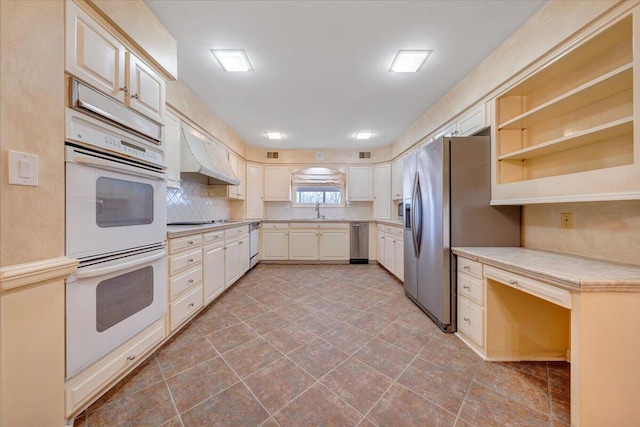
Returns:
<point x="123" y="296"/>
<point x="120" y="203"/>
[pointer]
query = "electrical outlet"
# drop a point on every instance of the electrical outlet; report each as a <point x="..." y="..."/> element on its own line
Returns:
<point x="566" y="220"/>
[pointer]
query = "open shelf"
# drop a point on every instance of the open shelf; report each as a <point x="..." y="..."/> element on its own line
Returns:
<point x="607" y="131"/>
<point x="615" y="81"/>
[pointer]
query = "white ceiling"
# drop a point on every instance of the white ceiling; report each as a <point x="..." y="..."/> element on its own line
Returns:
<point x="321" y="67"/>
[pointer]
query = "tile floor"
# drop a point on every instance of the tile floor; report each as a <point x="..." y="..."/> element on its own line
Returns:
<point x="332" y="345"/>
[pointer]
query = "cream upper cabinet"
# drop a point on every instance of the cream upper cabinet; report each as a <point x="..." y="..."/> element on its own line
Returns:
<point x="275" y="242"/>
<point x="474" y="121"/>
<point x="276" y="183"/>
<point x="146" y="90"/>
<point x="397" y="177"/>
<point x="382" y="189"/>
<point x="333" y="242"/>
<point x="92" y="54"/>
<point x="303" y="244"/>
<point x="213" y="261"/>
<point x="566" y="132"/>
<point x="172" y="149"/>
<point x="239" y="168"/>
<point x="254" y="188"/>
<point x="360" y="184"/>
<point x="97" y="57"/>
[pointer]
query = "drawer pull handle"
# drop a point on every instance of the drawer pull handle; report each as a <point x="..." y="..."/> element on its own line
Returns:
<point x="190" y="280"/>
<point x="133" y="356"/>
<point x="190" y="260"/>
<point x="466" y="287"/>
<point x="241" y="242"/>
<point x="466" y="319"/>
<point x="190" y="242"/>
<point x="465" y="267"/>
<point x="135" y="96"/>
<point x="513" y="282"/>
<point x="192" y="304"/>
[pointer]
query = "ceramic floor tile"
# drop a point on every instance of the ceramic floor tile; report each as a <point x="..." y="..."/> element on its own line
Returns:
<point x="197" y="384"/>
<point x="318" y="322"/>
<point x="173" y="422"/>
<point x="176" y="358"/>
<point x="279" y="383"/>
<point x="252" y="356"/>
<point x="410" y="340"/>
<point x="449" y="352"/>
<point x="294" y="311"/>
<point x="383" y="311"/>
<point x="537" y="369"/>
<point x="340" y="311"/>
<point x="384" y="357"/>
<point x="357" y="384"/>
<point x="436" y="384"/>
<point x="515" y="384"/>
<point x="212" y="321"/>
<point x="289" y="338"/>
<point x="247" y="311"/>
<point x="401" y="407"/>
<point x="347" y="338"/>
<point x="265" y="323"/>
<point x="149" y="406"/>
<point x="484" y="407"/>
<point x="231" y="337"/>
<point x="561" y="407"/>
<point x="369" y="323"/>
<point x="318" y="357"/>
<point x="317" y="407"/>
<point x="366" y="423"/>
<point x="235" y="406"/>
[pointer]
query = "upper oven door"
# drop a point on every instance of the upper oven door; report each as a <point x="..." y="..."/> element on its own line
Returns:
<point x="111" y="205"/>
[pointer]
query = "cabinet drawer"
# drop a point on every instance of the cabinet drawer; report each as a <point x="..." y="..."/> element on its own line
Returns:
<point x="213" y="237"/>
<point x="83" y="387"/>
<point x="381" y="227"/>
<point x="398" y="231"/>
<point x="184" y="281"/>
<point x="471" y="320"/>
<point x="473" y="268"/>
<point x="307" y="225"/>
<point x="236" y="231"/>
<point x="182" y="243"/>
<point x="547" y="292"/>
<point x="184" y="260"/>
<point x="185" y="306"/>
<point x="334" y="226"/>
<point x="471" y="287"/>
<point x="274" y="225"/>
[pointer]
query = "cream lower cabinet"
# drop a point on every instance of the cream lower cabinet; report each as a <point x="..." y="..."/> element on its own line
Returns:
<point x="471" y="298"/>
<point x="213" y="266"/>
<point x="333" y="242"/>
<point x="236" y="248"/>
<point x="391" y="249"/>
<point x="185" y="279"/>
<point x="275" y="242"/>
<point x="303" y="242"/>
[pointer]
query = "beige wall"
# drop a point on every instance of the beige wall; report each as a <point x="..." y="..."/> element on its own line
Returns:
<point x="607" y="230"/>
<point x="32" y="121"/>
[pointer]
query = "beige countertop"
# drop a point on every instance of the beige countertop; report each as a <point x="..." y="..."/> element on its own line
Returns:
<point x="186" y="230"/>
<point x="567" y="271"/>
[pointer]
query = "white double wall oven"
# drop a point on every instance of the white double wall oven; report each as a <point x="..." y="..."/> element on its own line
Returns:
<point x="115" y="225"/>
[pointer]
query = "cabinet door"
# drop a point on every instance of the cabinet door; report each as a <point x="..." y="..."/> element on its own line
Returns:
<point x="172" y="149"/>
<point x="92" y="54"/>
<point x="303" y="244"/>
<point x="146" y="90"/>
<point x="255" y="205"/>
<point x="333" y="245"/>
<point x="232" y="190"/>
<point x="398" y="262"/>
<point x="231" y="263"/>
<point x="389" y="253"/>
<point x="275" y="245"/>
<point x="360" y="184"/>
<point x="276" y="183"/>
<point x="242" y="176"/>
<point x="382" y="198"/>
<point x="381" y="240"/>
<point x="397" y="176"/>
<point x="214" y="271"/>
<point x="472" y="122"/>
<point x="244" y="253"/>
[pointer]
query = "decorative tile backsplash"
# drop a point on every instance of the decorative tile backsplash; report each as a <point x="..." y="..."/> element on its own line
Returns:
<point x="193" y="202"/>
<point x="284" y="210"/>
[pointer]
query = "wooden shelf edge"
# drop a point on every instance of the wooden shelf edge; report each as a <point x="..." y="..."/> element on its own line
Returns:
<point x="599" y="197"/>
<point x="580" y="89"/>
<point x="588" y="136"/>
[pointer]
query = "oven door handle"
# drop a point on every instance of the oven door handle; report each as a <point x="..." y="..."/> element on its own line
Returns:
<point x="115" y="166"/>
<point x="93" y="272"/>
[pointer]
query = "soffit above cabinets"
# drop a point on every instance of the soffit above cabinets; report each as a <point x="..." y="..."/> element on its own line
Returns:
<point x="321" y="69"/>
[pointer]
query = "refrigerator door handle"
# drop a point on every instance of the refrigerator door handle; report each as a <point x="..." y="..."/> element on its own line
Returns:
<point x="416" y="229"/>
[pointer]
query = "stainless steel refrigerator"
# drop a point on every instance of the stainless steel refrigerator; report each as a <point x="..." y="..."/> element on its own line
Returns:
<point x="447" y="189"/>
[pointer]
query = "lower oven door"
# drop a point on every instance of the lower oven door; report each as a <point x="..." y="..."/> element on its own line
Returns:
<point x="111" y="204"/>
<point x="109" y="302"/>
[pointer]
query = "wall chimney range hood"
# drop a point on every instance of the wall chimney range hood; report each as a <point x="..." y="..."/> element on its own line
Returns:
<point x="204" y="156"/>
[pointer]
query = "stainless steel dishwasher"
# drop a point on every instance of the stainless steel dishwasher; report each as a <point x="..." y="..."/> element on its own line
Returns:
<point x="359" y="243"/>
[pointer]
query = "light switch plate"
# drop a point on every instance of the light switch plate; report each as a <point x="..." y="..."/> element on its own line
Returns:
<point x="23" y="169"/>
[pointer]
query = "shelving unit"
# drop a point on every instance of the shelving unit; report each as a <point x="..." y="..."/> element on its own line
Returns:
<point x="566" y="132"/>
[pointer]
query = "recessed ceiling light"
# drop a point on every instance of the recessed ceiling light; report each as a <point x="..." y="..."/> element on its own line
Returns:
<point x="364" y="135"/>
<point x="232" y="59"/>
<point x="409" y="61"/>
<point x="274" y="135"/>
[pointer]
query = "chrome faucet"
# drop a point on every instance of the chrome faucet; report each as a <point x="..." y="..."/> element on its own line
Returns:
<point x="318" y="211"/>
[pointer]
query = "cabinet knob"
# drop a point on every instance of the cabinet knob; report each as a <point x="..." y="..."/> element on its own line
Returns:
<point x="190" y="242"/>
<point x="513" y="282"/>
<point x="190" y="260"/>
<point x="190" y="280"/>
<point x="124" y="89"/>
<point x="465" y="267"/>
<point x="192" y="304"/>
<point x="466" y="319"/>
<point x="133" y="356"/>
<point x="466" y="287"/>
<point x="135" y="96"/>
<point x="241" y="242"/>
